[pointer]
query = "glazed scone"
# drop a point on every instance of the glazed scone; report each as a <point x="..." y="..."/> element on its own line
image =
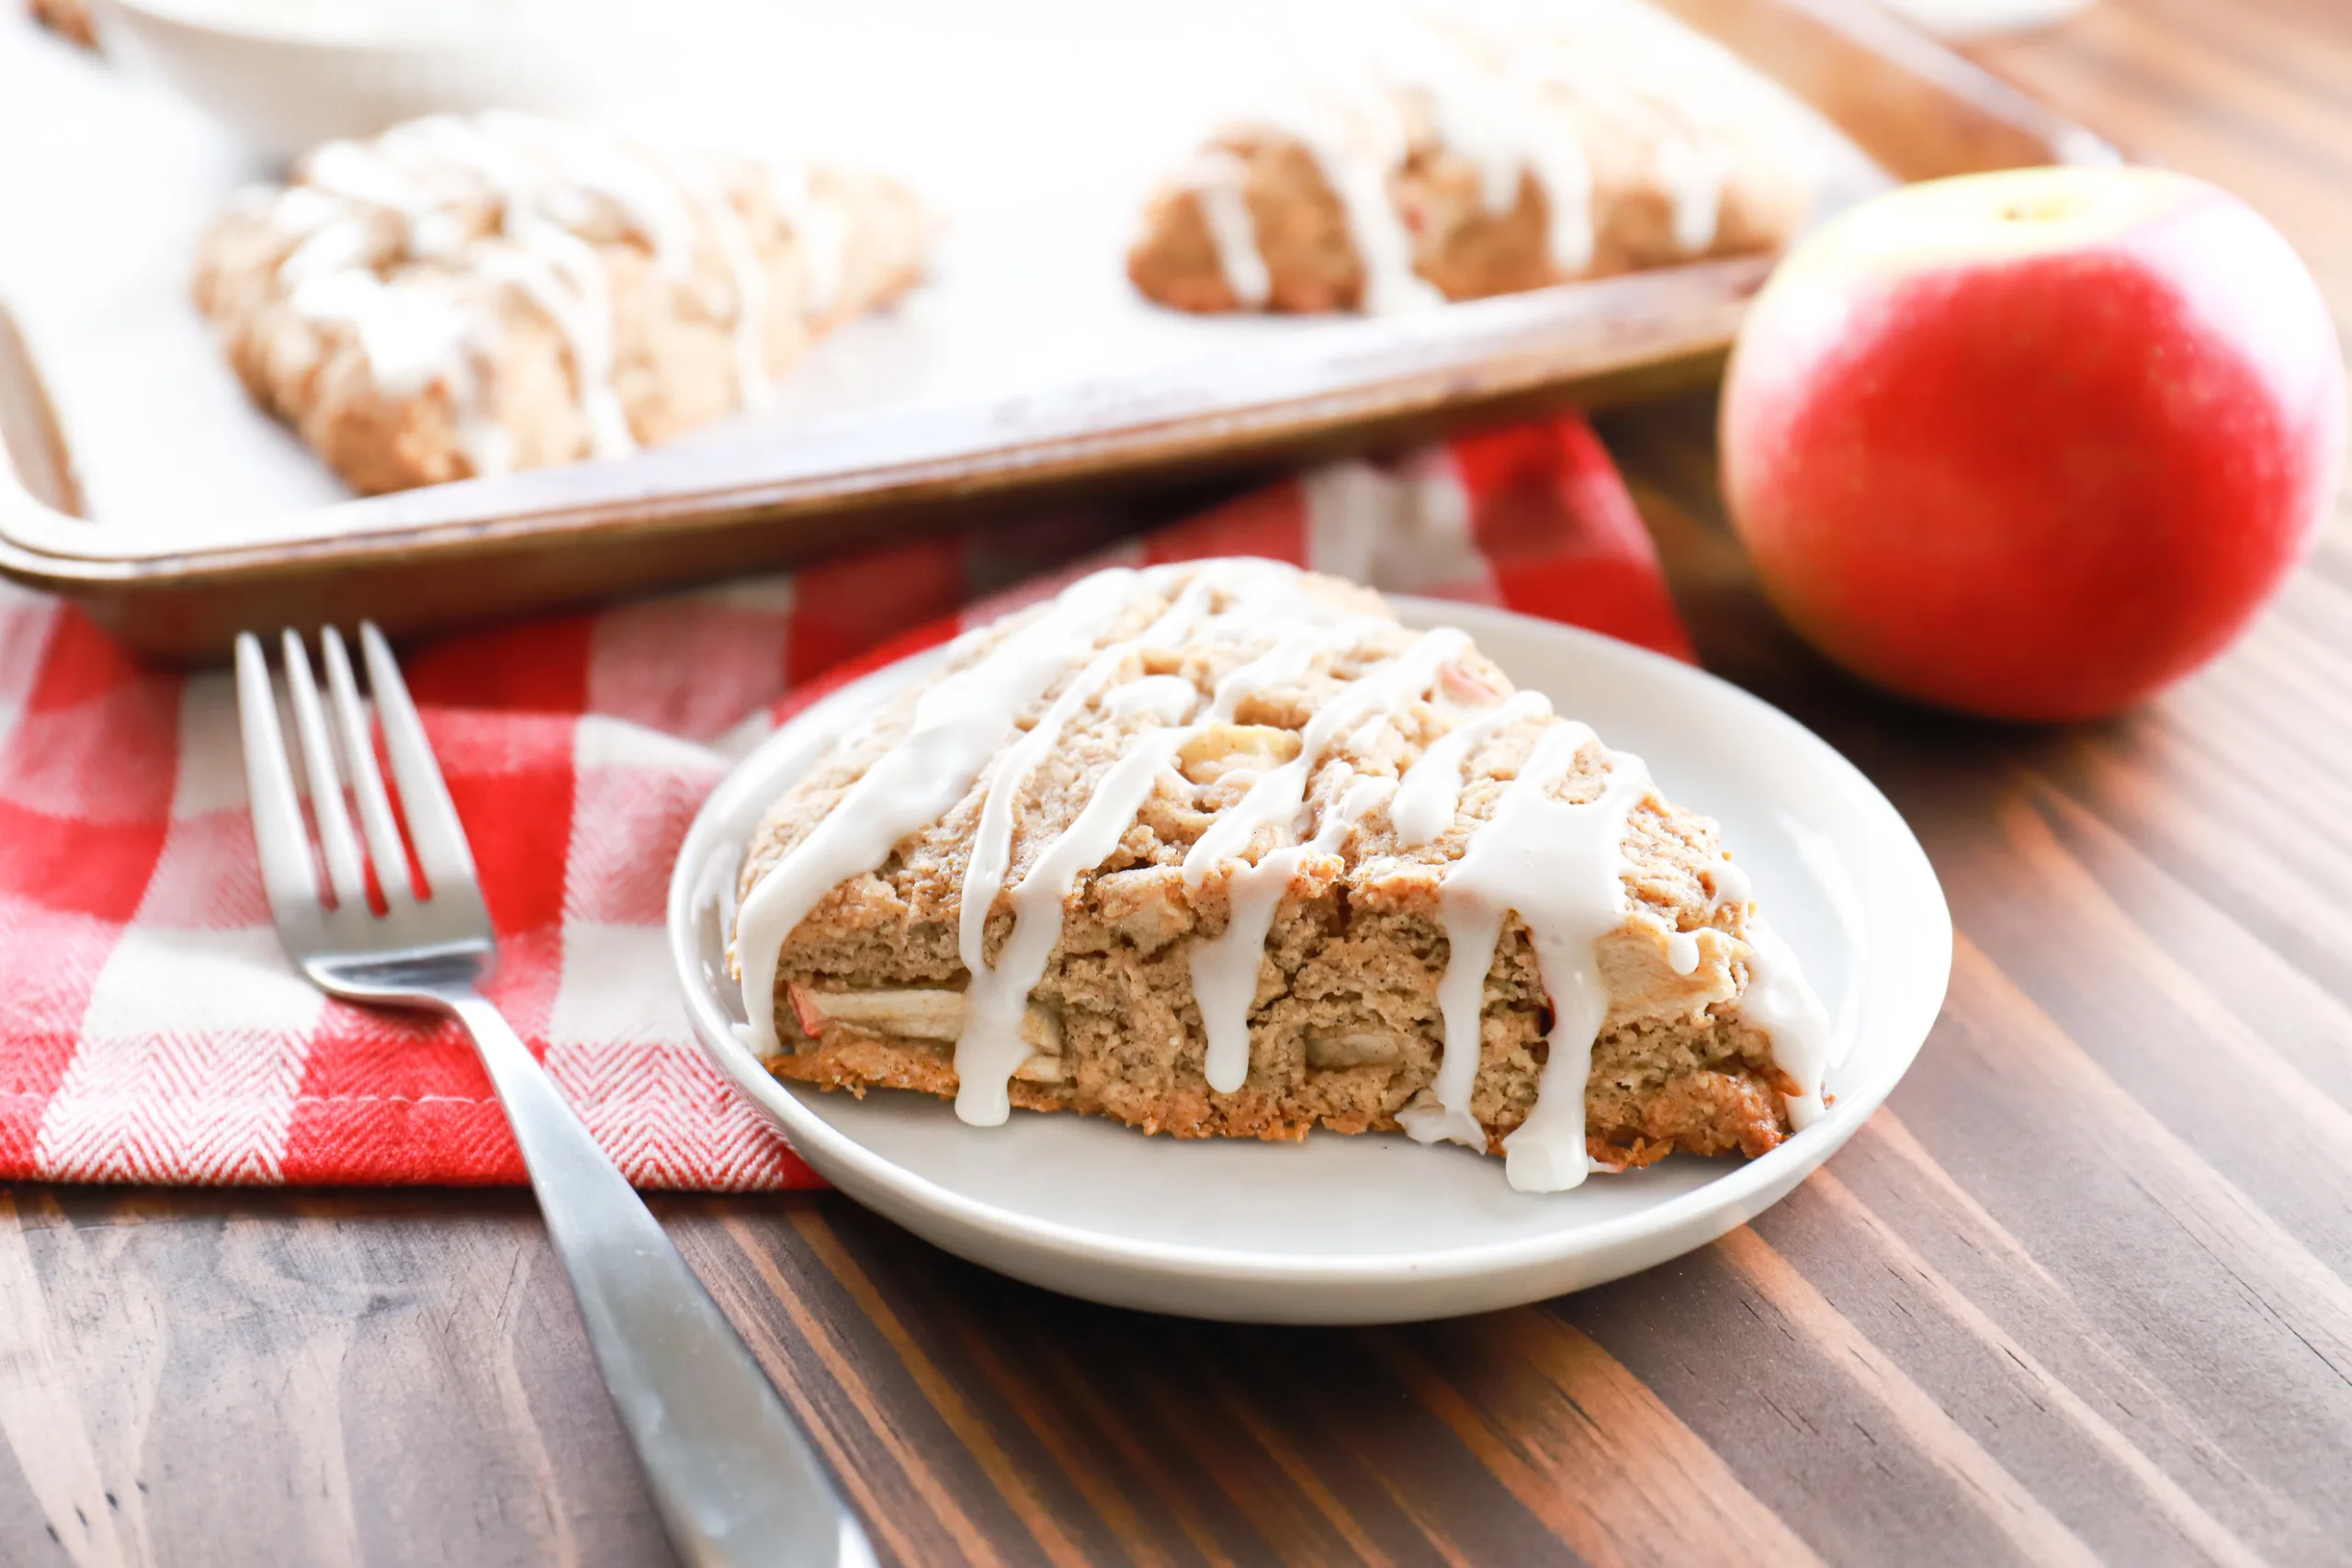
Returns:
<point x="1469" y="160"/>
<point x="469" y="296"/>
<point x="1223" y="849"/>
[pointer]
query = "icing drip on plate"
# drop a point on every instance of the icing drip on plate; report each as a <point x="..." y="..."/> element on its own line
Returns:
<point x="1780" y="1002"/>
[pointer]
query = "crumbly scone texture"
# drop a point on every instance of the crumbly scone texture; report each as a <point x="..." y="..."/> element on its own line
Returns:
<point x="676" y="277"/>
<point x="1639" y="142"/>
<point x="1345" y="1027"/>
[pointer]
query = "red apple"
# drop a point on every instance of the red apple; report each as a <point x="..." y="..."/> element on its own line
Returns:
<point x="2033" y="443"/>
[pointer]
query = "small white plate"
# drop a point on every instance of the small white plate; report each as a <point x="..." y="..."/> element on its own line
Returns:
<point x="1377" y="1229"/>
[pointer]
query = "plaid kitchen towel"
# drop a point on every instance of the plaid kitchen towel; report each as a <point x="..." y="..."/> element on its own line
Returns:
<point x="150" y="1030"/>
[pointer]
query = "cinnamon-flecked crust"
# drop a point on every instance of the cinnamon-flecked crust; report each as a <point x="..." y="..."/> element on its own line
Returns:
<point x="674" y="346"/>
<point x="1345" y="1027"/>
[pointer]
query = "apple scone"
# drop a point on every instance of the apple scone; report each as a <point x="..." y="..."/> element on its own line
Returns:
<point x="1224" y="850"/>
<point x="466" y="296"/>
<point x="1457" y="161"/>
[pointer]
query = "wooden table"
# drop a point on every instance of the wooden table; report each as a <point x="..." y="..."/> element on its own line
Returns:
<point x="2083" y="1292"/>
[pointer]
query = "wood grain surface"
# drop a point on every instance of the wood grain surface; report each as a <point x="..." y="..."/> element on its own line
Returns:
<point x="2081" y="1294"/>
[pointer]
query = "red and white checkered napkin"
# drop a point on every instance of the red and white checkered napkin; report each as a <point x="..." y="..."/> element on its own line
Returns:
<point x="150" y="1030"/>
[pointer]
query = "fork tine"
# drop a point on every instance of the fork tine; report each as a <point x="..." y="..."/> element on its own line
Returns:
<point x="288" y="874"/>
<point x="384" y="846"/>
<point x="346" y="873"/>
<point x="433" y="822"/>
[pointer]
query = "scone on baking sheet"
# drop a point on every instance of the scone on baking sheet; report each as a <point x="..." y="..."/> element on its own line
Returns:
<point x="473" y="295"/>
<point x="1457" y="160"/>
<point x="1223" y="849"/>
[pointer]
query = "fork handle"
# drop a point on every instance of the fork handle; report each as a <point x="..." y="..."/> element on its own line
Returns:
<point x="727" y="1465"/>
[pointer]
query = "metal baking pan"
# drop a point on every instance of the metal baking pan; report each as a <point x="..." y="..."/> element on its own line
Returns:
<point x="762" y="498"/>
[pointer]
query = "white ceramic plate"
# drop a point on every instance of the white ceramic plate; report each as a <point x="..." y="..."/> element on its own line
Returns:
<point x="1376" y="1228"/>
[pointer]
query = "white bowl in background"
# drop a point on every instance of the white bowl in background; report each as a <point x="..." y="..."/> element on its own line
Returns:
<point x="286" y="77"/>
<point x="1376" y="1228"/>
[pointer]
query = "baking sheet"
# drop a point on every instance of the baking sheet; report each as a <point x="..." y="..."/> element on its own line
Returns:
<point x="1035" y="129"/>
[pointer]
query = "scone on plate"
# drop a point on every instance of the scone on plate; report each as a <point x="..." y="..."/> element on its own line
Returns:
<point x="1224" y="850"/>
<point x="473" y="295"/>
<point x="1456" y="162"/>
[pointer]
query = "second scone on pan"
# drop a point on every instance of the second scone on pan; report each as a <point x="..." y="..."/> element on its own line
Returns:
<point x="465" y="296"/>
<point x="1442" y="161"/>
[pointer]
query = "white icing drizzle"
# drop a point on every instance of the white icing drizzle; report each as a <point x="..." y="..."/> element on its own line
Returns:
<point x="330" y="252"/>
<point x="991" y="855"/>
<point x="1225" y="968"/>
<point x="408" y="334"/>
<point x="822" y="229"/>
<point x="753" y="386"/>
<point x="1497" y="113"/>
<point x="1431" y="794"/>
<point x="1477" y="125"/>
<point x="1663" y="115"/>
<point x="1287" y="661"/>
<point x="1218" y="182"/>
<point x="1351" y="126"/>
<point x="554" y="189"/>
<point x="958" y="724"/>
<point x="1228" y="963"/>
<point x="1694" y="172"/>
<point x="1383" y="246"/>
<point x="1560" y="867"/>
<point x="1682" y="951"/>
<point x="1780" y="1002"/>
<point x="1555" y="158"/>
<point x="1168" y="698"/>
<point x="289" y="209"/>
<point x="560" y="273"/>
<point x="1277" y="797"/>
<point x="990" y="1048"/>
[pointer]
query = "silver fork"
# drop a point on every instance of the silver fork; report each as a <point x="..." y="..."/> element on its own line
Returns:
<point x="729" y="1468"/>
